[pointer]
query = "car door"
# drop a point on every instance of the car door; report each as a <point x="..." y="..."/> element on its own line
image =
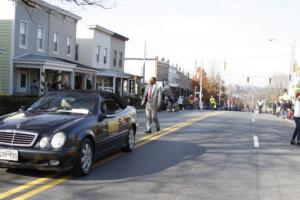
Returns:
<point x="107" y="127"/>
<point x="118" y="128"/>
<point x="112" y="108"/>
<point x="124" y="119"/>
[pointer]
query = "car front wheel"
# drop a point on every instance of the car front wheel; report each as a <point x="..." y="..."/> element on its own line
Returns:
<point x="85" y="158"/>
<point x="130" y="142"/>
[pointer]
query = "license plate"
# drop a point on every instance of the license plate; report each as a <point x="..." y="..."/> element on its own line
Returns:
<point x="9" y="154"/>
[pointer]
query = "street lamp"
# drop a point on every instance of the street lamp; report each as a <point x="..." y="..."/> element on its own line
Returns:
<point x="291" y="72"/>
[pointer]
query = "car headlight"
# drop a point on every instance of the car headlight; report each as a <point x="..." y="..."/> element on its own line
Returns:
<point x="44" y="142"/>
<point x="58" y="140"/>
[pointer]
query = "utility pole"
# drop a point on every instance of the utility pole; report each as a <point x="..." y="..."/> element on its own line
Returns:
<point x="201" y="87"/>
<point x="220" y="86"/>
<point x="293" y="52"/>
<point x="266" y="103"/>
<point x="220" y="92"/>
<point x="144" y="65"/>
<point x="252" y="102"/>
<point x="196" y="75"/>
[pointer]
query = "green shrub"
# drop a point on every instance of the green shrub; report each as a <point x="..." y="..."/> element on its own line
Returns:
<point x="133" y="101"/>
<point x="10" y="104"/>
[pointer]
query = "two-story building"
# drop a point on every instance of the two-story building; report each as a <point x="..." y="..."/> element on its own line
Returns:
<point x="104" y="50"/>
<point x="154" y="67"/>
<point x="172" y="78"/>
<point x="174" y="81"/>
<point x="39" y="41"/>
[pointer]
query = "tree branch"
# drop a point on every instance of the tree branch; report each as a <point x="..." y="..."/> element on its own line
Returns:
<point x="32" y="4"/>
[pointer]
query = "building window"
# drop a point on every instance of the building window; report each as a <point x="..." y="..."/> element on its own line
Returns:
<point x="23" y="80"/>
<point x="76" y="51"/>
<point x="40" y="38"/>
<point x="23" y="40"/>
<point x="120" y="59"/>
<point x="55" y="41"/>
<point x="69" y="40"/>
<point x="115" y="58"/>
<point x="98" y="54"/>
<point x="104" y="55"/>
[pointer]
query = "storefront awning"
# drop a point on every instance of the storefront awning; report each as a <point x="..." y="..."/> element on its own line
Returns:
<point x="38" y="61"/>
<point x="113" y="73"/>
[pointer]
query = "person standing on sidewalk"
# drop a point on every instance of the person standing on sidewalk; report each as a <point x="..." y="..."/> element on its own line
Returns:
<point x="212" y="102"/>
<point x="274" y="107"/>
<point x="180" y="103"/>
<point x="297" y="120"/>
<point x="152" y="99"/>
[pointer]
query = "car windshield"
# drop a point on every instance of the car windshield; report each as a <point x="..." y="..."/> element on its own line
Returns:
<point x="65" y="103"/>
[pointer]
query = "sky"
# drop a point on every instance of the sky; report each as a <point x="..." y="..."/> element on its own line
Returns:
<point x="211" y="31"/>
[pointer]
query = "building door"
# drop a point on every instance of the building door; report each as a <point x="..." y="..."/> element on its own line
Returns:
<point x="22" y="81"/>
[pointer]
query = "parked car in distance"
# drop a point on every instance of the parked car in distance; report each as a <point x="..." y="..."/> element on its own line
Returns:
<point x="66" y="130"/>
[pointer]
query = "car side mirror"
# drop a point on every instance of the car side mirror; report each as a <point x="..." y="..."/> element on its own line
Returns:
<point x="22" y="108"/>
<point x="105" y="116"/>
<point x="109" y="115"/>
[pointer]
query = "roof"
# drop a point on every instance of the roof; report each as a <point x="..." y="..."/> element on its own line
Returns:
<point x="55" y="8"/>
<point x="78" y="65"/>
<point x="100" y="28"/>
<point x="36" y="57"/>
<point x="113" y="73"/>
<point x="105" y="30"/>
<point x="121" y="37"/>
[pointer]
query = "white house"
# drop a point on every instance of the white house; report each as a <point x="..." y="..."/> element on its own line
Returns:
<point x="104" y="51"/>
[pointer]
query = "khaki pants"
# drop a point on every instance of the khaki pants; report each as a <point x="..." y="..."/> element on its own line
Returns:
<point x="151" y="115"/>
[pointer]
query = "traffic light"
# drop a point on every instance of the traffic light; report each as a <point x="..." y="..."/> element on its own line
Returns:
<point x="248" y="79"/>
<point x="295" y="67"/>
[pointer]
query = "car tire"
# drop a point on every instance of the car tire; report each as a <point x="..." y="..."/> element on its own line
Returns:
<point x="85" y="158"/>
<point x="130" y="141"/>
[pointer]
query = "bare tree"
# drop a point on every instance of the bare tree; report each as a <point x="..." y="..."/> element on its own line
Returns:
<point x="279" y="82"/>
<point x="100" y="3"/>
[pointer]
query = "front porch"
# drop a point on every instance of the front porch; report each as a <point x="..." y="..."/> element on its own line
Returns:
<point x="34" y="75"/>
<point x="117" y="82"/>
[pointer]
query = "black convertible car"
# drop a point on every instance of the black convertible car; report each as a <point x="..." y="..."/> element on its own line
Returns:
<point x="66" y="130"/>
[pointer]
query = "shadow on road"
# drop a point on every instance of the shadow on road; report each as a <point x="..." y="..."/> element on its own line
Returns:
<point x="28" y="172"/>
<point x="147" y="160"/>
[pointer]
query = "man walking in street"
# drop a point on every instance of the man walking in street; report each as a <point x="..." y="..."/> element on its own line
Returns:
<point x="152" y="99"/>
<point x="260" y="104"/>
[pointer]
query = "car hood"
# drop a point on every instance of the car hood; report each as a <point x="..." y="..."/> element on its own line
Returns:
<point x="38" y="122"/>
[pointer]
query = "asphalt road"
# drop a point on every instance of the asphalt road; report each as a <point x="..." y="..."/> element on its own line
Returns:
<point x="204" y="155"/>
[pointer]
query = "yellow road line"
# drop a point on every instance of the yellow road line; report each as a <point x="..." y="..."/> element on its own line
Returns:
<point x="26" y="186"/>
<point x="142" y="141"/>
<point x="42" y="188"/>
<point x="174" y="128"/>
